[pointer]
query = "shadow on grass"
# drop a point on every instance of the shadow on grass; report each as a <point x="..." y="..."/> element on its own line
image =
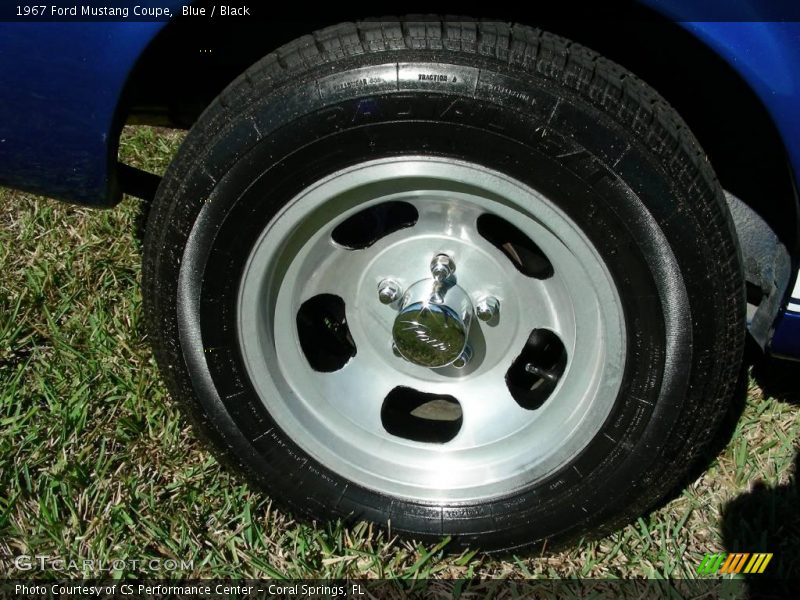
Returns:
<point x="768" y="519"/>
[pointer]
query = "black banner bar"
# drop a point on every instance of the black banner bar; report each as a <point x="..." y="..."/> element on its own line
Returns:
<point x="232" y="10"/>
<point x="352" y="589"/>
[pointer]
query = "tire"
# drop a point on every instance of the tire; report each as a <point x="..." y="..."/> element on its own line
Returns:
<point x="607" y="243"/>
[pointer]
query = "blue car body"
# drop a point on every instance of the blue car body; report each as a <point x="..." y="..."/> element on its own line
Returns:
<point x="62" y="85"/>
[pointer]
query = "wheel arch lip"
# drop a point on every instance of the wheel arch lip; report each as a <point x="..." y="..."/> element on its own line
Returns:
<point x="758" y="42"/>
<point x="60" y="125"/>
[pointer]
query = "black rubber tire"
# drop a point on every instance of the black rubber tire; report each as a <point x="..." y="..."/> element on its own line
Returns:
<point x="619" y="160"/>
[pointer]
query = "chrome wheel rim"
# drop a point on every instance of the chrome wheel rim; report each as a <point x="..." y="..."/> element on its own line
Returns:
<point x="338" y="417"/>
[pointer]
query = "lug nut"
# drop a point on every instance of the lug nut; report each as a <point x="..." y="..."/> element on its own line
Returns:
<point x="389" y="291"/>
<point x="463" y="360"/>
<point x="442" y="267"/>
<point x="487" y="308"/>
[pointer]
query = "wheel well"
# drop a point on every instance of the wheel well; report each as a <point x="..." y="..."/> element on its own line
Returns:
<point x="191" y="61"/>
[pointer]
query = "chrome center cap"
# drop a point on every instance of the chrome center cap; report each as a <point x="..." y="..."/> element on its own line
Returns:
<point x="432" y="327"/>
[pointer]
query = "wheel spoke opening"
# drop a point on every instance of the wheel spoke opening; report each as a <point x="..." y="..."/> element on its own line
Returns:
<point x="421" y="417"/>
<point x="535" y="373"/>
<point x="323" y="333"/>
<point x="526" y="256"/>
<point x="371" y="224"/>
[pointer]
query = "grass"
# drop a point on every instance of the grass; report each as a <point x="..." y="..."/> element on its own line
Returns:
<point x="96" y="463"/>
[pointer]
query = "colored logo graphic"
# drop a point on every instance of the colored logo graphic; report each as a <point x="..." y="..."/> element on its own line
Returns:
<point x="738" y="562"/>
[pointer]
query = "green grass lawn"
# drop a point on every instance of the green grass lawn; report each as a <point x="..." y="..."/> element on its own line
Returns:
<point x="96" y="462"/>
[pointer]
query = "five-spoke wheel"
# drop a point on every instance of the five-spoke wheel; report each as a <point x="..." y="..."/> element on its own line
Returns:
<point x="359" y="299"/>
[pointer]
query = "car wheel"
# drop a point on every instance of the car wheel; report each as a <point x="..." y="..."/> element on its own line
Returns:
<point x="453" y="278"/>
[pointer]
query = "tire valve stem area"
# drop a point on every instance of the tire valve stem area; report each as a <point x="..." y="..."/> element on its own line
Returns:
<point x="535" y="373"/>
<point x="542" y="373"/>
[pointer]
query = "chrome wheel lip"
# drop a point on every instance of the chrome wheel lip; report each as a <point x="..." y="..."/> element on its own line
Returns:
<point x="300" y="401"/>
